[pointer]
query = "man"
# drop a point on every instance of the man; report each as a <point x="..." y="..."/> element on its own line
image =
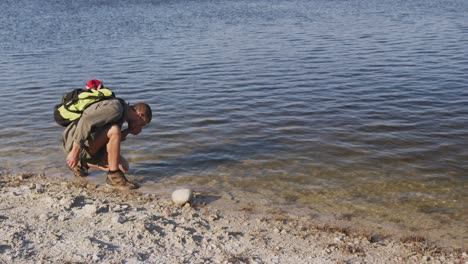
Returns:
<point x="94" y="141"/>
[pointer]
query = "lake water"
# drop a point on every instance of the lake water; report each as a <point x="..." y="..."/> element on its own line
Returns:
<point x="355" y="109"/>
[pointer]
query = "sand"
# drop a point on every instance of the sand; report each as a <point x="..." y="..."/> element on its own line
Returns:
<point x="55" y="220"/>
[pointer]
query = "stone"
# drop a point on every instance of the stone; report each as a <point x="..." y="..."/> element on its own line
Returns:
<point x="89" y="209"/>
<point x="167" y="212"/>
<point x="39" y="188"/>
<point x="118" y="219"/>
<point x="44" y="217"/>
<point x="182" y="196"/>
<point x="67" y="202"/>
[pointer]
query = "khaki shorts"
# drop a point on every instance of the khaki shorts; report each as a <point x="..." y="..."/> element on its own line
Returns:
<point x="100" y="157"/>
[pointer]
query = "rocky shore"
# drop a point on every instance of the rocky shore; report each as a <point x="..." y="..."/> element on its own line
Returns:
<point x="52" y="220"/>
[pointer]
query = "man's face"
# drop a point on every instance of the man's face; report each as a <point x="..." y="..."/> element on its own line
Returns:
<point x="139" y="123"/>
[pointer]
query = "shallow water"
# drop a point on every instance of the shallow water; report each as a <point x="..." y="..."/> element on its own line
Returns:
<point x="355" y="108"/>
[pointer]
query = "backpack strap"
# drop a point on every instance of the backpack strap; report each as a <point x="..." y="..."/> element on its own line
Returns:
<point x="124" y="105"/>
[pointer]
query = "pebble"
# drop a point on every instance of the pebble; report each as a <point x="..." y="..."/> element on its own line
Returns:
<point x="89" y="209"/>
<point x="39" y="188"/>
<point x="256" y="260"/>
<point x="118" y="219"/>
<point x="44" y="217"/>
<point x="167" y="212"/>
<point x="116" y="208"/>
<point x="338" y="239"/>
<point x="214" y="216"/>
<point x="24" y="177"/>
<point x="66" y="202"/>
<point x="182" y="196"/>
<point x="426" y="258"/>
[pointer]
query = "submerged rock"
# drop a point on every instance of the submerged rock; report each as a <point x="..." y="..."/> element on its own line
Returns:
<point x="182" y="196"/>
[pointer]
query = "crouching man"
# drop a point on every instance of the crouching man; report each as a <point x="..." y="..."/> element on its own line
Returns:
<point x="94" y="141"/>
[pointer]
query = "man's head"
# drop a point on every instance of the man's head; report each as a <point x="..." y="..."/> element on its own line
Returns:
<point x="143" y="111"/>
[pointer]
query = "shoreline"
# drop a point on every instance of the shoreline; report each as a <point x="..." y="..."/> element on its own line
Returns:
<point x="47" y="220"/>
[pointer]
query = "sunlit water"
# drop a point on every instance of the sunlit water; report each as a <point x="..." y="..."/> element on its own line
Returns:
<point x="346" y="108"/>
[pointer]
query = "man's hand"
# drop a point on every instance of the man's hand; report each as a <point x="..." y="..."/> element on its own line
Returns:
<point x="72" y="157"/>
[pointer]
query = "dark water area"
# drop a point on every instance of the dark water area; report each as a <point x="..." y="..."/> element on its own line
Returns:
<point x="356" y="108"/>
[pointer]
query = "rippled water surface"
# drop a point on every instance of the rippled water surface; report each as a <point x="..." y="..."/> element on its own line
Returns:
<point x="349" y="108"/>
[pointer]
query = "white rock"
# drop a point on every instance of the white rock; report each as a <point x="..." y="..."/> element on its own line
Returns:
<point x="89" y="209"/>
<point x="182" y="196"/>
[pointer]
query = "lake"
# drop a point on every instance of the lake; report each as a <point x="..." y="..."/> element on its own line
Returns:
<point x="347" y="109"/>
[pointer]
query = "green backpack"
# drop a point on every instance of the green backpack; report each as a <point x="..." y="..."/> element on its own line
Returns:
<point x="75" y="102"/>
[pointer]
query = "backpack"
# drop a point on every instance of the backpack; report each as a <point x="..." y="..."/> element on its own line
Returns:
<point x="75" y="102"/>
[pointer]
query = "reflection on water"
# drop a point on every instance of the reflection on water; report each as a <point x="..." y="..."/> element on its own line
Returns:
<point x="353" y="108"/>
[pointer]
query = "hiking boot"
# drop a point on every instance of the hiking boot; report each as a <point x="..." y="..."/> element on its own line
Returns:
<point x="118" y="179"/>
<point x="78" y="171"/>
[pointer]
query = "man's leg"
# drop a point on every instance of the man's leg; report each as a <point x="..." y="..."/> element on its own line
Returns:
<point x="110" y="138"/>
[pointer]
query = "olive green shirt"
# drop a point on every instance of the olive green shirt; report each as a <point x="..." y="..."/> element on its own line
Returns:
<point x="97" y="116"/>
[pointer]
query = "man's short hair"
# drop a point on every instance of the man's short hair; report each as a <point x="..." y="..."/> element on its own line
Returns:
<point x="145" y="109"/>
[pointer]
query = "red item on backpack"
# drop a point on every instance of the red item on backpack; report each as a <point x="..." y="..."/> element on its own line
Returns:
<point x="94" y="84"/>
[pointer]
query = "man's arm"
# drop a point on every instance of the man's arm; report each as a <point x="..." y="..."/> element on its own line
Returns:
<point x="72" y="157"/>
